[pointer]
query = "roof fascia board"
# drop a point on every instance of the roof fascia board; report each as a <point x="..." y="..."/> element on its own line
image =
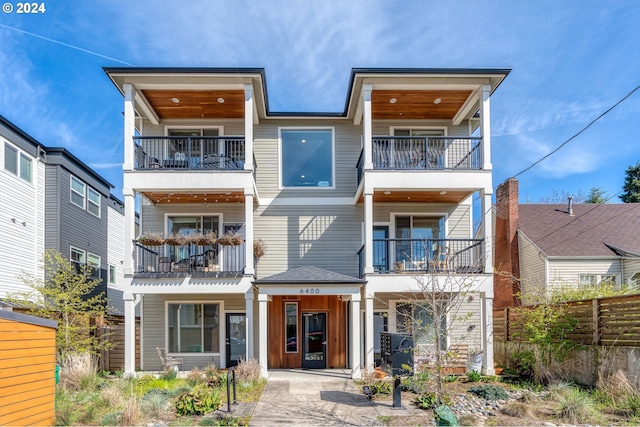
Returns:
<point x="531" y="242"/>
<point x="472" y="102"/>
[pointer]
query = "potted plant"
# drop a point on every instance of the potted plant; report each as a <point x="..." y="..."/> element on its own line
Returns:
<point x="259" y="248"/>
<point x="207" y="239"/>
<point x="176" y="240"/>
<point x="230" y="238"/>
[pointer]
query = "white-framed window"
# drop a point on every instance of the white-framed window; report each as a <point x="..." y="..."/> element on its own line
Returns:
<point x="193" y="327"/>
<point x="93" y="201"/>
<point x="85" y="197"/>
<point x="417" y="318"/>
<point x="78" y="189"/>
<point x="307" y="157"/>
<point x="112" y="274"/>
<point x="18" y="163"/>
<point x="634" y="280"/>
<point x="597" y="279"/>
<point x="86" y="260"/>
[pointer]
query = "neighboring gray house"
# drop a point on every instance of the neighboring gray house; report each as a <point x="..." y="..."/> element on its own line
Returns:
<point x="565" y="245"/>
<point x="355" y="207"/>
<point x="52" y="200"/>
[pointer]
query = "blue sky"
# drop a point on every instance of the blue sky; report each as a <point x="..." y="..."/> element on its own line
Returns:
<point x="571" y="61"/>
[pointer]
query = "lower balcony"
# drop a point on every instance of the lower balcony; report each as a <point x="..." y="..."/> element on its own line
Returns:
<point x="189" y="260"/>
<point x="425" y="256"/>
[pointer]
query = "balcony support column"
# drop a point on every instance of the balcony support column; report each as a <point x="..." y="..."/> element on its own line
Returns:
<point x="129" y="334"/>
<point x="356" y="372"/>
<point x="487" y="230"/>
<point x="263" y="299"/>
<point x="248" y="127"/>
<point x="367" y="124"/>
<point x="129" y="126"/>
<point x="129" y="230"/>
<point x="368" y="233"/>
<point x="485" y="126"/>
<point x="369" y="337"/>
<point x="248" y="302"/>
<point x="248" y="226"/>
<point x="486" y="299"/>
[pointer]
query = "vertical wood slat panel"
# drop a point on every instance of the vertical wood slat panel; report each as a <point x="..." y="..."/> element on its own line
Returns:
<point x="336" y="330"/>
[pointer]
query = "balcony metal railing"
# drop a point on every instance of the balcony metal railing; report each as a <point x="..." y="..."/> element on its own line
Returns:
<point x="426" y="256"/>
<point x="197" y="152"/>
<point x="189" y="258"/>
<point x="424" y="153"/>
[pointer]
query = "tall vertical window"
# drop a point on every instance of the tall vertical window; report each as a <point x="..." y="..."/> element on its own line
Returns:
<point x="194" y="328"/>
<point x="112" y="274"/>
<point x="77" y="192"/>
<point x="291" y="326"/>
<point x="18" y="163"/>
<point x="418" y="319"/>
<point x="93" y="262"/>
<point x="306" y="158"/>
<point x="93" y="201"/>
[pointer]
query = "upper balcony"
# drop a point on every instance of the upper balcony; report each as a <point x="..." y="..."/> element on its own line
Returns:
<point x="404" y="153"/>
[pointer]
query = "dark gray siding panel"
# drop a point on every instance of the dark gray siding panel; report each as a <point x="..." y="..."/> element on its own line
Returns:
<point x="52" y="209"/>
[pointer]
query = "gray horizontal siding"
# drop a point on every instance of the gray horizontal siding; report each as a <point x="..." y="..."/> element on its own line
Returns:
<point x="327" y="237"/>
<point x="154" y="321"/>
<point x="152" y="217"/>
<point x="347" y="150"/>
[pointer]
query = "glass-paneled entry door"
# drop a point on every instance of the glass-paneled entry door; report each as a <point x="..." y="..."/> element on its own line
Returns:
<point x="236" y="338"/>
<point x="314" y="340"/>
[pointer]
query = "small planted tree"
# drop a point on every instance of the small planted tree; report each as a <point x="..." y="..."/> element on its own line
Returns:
<point x="64" y="296"/>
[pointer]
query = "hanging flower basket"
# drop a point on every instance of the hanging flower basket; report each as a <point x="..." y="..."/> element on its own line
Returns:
<point x="176" y="240"/>
<point x="151" y="239"/>
<point x="259" y="248"/>
<point x="230" y="239"/>
<point x="208" y="239"/>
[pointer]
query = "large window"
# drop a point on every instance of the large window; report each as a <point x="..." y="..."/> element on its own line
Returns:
<point x="18" y="163"/>
<point x="194" y="328"/>
<point x="418" y="319"/>
<point x="417" y="239"/>
<point x="86" y="260"/>
<point x="306" y="158"/>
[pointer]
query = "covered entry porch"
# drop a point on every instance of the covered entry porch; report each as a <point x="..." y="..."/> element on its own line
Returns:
<point x="309" y="318"/>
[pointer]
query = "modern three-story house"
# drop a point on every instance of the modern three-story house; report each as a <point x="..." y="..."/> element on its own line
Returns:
<point x="296" y="238"/>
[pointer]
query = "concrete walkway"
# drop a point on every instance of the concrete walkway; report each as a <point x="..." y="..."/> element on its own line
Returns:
<point x="317" y="397"/>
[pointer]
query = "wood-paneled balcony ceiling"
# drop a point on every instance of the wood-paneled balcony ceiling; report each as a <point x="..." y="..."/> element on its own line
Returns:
<point x="417" y="104"/>
<point x="400" y="196"/>
<point x="196" y="104"/>
<point x="195" y="198"/>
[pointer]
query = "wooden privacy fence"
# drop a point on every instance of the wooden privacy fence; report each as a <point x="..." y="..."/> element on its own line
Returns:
<point x="113" y="359"/>
<point x="613" y="321"/>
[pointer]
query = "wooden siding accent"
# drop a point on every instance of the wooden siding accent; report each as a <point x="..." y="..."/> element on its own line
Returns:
<point x="417" y="104"/>
<point x="27" y="370"/>
<point x="336" y="330"/>
<point x="196" y="104"/>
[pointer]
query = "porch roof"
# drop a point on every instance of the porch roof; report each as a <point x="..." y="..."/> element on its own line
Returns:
<point x="308" y="274"/>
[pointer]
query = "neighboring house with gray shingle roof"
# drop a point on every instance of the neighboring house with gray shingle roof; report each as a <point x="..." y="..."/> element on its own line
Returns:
<point x="562" y="245"/>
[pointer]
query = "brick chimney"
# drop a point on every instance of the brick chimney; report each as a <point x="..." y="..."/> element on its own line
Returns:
<point x="506" y="262"/>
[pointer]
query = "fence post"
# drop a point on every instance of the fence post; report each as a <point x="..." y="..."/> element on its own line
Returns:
<point x="506" y="324"/>
<point x="596" y="321"/>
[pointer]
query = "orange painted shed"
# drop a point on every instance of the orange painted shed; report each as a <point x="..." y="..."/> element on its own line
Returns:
<point x="27" y="370"/>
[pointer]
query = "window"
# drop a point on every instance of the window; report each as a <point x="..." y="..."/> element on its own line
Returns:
<point x="112" y="274"/>
<point x="18" y="163"/>
<point x="417" y="319"/>
<point x="81" y="192"/>
<point x="306" y="157"/>
<point x="93" y="202"/>
<point x="634" y="280"/>
<point x="417" y="240"/>
<point x="77" y="192"/>
<point x="86" y="260"/>
<point x="193" y="328"/>
<point x="291" y="326"/>
<point x="597" y="279"/>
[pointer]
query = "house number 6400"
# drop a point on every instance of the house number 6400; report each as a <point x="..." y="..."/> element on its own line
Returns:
<point x="310" y="290"/>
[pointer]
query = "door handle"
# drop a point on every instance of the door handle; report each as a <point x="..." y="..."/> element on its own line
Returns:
<point x="324" y="343"/>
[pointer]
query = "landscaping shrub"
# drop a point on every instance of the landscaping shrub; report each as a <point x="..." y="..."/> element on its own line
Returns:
<point x="489" y="392"/>
<point x="517" y="409"/>
<point x="426" y="401"/>
<point x="576" y="408"/>
<point x="473" y="376"/>
<point x="131" y="413"/>
<point x="248" y="370"/>
<point x="199" y="401"/>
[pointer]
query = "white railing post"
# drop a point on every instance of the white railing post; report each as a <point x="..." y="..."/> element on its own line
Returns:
<point x="129" y="126"/>
<point x="248" y="127"/>
<point x="485" y="126"/>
